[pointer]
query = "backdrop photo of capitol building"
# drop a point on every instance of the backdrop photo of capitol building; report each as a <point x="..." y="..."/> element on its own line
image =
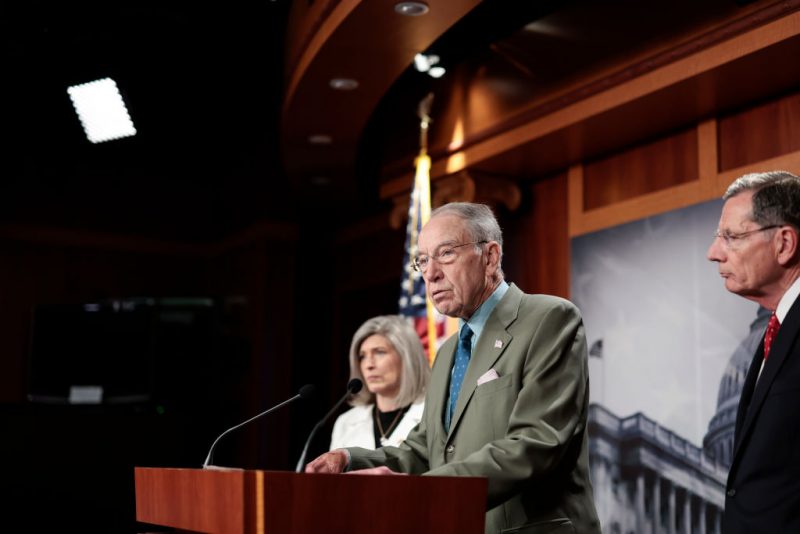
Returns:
<point x="669" y="350"/>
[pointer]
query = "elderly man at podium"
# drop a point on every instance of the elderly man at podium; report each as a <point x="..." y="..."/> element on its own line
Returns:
<point x="509" y="394"/>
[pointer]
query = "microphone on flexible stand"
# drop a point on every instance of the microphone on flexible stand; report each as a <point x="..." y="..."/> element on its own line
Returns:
<point x="353" y="387"/>
<point x="305" y="393"/>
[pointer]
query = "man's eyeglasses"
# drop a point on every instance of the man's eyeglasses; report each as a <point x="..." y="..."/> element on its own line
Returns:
<point x="445" y="256"/>
<point x="730" y="239"/>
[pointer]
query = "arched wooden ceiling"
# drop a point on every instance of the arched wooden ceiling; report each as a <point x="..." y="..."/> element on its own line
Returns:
<point x="581" y="81"/>
<point x="584" y="81"/>
<point x="364" y="40"/>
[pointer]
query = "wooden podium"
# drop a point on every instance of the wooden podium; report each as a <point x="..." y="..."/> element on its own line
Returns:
<point x="277" y="502"/>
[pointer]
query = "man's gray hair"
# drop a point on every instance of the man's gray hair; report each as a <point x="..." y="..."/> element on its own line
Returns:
<point x="776" y="197"/>
<point x="415" y="367"/>
<point x="480" y="222"/>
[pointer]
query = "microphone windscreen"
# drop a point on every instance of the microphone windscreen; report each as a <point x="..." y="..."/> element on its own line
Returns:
<point x="354" y="386"/>
<point x="306" y="392"/>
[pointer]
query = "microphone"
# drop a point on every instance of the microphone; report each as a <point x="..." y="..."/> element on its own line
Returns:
<point x="353" y="387"/>
<point x="305" y="393"/>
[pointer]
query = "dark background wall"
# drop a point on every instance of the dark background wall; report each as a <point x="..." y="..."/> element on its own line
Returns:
<point x="231" y="360"/>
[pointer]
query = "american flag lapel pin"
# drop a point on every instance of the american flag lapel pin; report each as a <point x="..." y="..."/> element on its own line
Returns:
<point x="498" y="344"/>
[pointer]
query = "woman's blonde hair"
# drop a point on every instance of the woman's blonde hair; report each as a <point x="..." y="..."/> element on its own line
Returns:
<point x="415" y="367"/>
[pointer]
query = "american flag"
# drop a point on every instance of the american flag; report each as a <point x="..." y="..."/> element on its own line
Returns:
<point x="413" y="303"/>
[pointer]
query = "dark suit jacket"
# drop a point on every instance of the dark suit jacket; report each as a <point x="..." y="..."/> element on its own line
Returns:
<point x="525" y="431"/>
<point x="763" y="490"/>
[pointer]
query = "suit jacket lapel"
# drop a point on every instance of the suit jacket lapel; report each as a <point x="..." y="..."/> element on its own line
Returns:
<point x="749" y="407"/>
<point x="487" y="350"/>
<point x="746" y="396"/>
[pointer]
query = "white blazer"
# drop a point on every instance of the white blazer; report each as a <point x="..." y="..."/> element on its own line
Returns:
<point x="354" y="428"/>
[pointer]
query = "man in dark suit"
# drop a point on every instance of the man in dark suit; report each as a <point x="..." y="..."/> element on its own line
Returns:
<point x="508" y="395"/>
<point x="756" y="248"/>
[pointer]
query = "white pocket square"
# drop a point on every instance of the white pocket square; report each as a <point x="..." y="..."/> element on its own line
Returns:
<point x="488" y="376"/>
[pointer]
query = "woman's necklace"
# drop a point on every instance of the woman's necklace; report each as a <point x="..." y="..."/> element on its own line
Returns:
<point x="384" y="434"/>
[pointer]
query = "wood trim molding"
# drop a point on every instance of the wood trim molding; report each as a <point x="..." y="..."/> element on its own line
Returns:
<point x="332" y="16"/>
<point x="788" y="162"/>
<point x="707" y="153"/>
<point x="575" y="199"/>
<point x="636" y="208"/>
<point x="708" y="187"/>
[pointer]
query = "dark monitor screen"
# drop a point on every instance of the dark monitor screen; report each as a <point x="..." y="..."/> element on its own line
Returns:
<point x="91" y="353"/>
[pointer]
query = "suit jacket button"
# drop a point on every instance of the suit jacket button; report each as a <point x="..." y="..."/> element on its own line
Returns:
<point x="451" y="449"/>
<point x="731" y="492"/>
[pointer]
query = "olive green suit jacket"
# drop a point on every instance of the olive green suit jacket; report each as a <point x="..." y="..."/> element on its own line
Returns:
<point x="524" y="431"/>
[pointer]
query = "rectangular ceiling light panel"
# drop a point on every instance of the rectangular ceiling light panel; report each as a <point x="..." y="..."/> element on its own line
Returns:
<point x="101" y="110"/>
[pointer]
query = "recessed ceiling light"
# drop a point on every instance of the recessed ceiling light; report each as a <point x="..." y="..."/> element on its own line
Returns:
<point x="424" y="62"/>
<point x="344" y="84"/>
<point x="411" y="9"/>
<point x="436" y="72"/>
<point x="320" y="139"/>
<point x="101" y="110"/>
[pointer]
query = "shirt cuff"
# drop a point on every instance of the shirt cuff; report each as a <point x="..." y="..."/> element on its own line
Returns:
<point x="347" y="465"/>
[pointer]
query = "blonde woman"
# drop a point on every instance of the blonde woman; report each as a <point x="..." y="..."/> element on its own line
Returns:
<point x="387" y="356"/>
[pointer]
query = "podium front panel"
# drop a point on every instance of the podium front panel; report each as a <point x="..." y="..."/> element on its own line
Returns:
<point x="275" y="502"/>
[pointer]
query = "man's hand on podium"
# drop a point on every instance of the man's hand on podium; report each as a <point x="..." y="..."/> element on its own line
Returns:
<point x="336" y="461"/>
<point x="333" y="462"/>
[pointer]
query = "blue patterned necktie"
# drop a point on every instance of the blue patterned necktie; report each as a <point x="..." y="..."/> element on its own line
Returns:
<point x="463" y="353"/>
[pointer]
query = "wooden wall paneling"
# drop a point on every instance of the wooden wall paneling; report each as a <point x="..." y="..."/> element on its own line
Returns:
<point x="639" y="207"/>
<point x="575" y="200"/>
<point x="257" y="371"/>
<point x="710" y="183"/>
<point x="363" y="280"/>
<point x="368" y="275"/>
<point x="274" y="285"/>
<point x="254" y="273"/>
<point x="707" y="153"/>
<point x="672" y="198"/>
<point x="712" y="178"/>
<point x="788" y="162"/>
<point x="369" y="253"/>
<point x="654" y="166"/>
<point x="537" y="239"/>
<point x="760" y="133"/>
<point x="368" y="269"/>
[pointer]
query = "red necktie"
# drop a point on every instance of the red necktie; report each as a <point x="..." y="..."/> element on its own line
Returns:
<point x="772" y="330"/>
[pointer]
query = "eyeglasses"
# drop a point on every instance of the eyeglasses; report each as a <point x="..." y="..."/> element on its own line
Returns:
<point x="446" y="256"/>
<point x="729" y="239"/>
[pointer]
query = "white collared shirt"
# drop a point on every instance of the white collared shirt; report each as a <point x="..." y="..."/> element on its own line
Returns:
<point x="784" y="305"/>
<point x="787" y="300"/>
